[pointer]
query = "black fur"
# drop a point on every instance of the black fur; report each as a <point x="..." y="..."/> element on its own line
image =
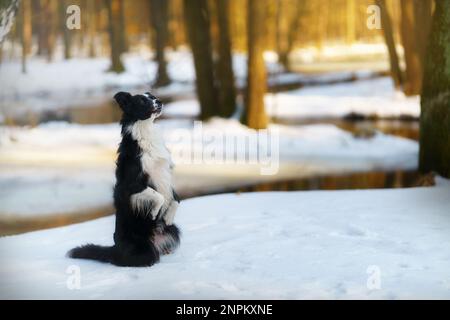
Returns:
<point x="138" y="239"/>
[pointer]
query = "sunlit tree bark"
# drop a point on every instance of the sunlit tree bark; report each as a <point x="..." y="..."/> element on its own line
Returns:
<point x="415" y="25"/>
<point x="289" y="15"/>
<point x="114" y="35"/>
<point x="92" y="21"/>
<point x="351" y="21"/>
<point x="396" y="72"/>
<point x="254" y="114"/>
<point x="26" y="32"/>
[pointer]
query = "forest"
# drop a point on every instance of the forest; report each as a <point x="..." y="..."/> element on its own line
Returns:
<point x="277" y="114"/>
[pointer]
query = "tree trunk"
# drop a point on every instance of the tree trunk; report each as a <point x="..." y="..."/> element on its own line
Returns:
<point x="254" y="115"/>
<point x="292" y="33"/>
<point x="114" y="35"/>
<point x="42" y="28"/>
<point x="122" y="27"/>
<point x="281" y="33"/>
<point x="64" y="30"/>
<point x="351" y="22"/>
<point x="25" y="12"/>
<point x="422" y="18"/>
<point x="159" y="17"/>
<point x="396" y="72"/>
<point x="435" y="104"/>
<point x="92" y="27"/>
<point x="198" y="29"/>
<point x="225" y="75"/>
<point x="46" y="28"/>
<point x="322" y="22"/>
<point x="414" y="31"/>
<point x="53" y="27"/>
<point x="175" y="27"/>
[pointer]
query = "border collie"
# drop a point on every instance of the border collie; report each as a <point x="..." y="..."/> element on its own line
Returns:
<point x="144" y="198"/>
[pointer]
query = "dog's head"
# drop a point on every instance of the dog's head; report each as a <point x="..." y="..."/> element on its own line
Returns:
<point x="140" y="106"/>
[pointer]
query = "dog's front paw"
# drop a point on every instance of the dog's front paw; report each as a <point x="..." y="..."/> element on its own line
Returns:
<point x="157" y="203"/>
<point x="170" y="213"/>
<point x="157" y="207"/>
<point x="148" y="202"/>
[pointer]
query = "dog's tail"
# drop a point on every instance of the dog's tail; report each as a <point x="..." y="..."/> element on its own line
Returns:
<point x="93" y="252"/>
<point x="120" y="256"/>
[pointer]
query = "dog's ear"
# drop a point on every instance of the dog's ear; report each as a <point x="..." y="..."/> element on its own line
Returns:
<point x="123" y="99"/>
<point x="150" y="96"/>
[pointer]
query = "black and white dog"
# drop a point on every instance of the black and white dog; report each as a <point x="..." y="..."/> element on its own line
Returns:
<point x="143" y="195"/>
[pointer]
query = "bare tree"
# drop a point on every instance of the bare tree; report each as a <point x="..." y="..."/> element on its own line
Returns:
<point x="198" y="28"/>
<point x="92" y="24"/>
<point x="351" y="21"/>
<point x="66" y="34"/>
<point x="435" y="102"/>
<point x="396" y="72"/>
<point x="289" y="15"/>
<point x="115" y="35"/>
<point x="422" y="18"/>
<point x="415" y="25"/>
<point x="322" y="22"/>
<point x="122" y="27"/>
<point x="25" y="13"/>
<point x="254" y="114"/>
<point x="225" y="75"/>
<point x="159" y="17"/>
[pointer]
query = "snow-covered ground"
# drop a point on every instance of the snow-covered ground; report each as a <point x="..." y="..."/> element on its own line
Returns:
<point x="369" y="98"/>
<point x="341" y="52"/>
<point x="73" y="164"/>
<point x="374" y="244"/>
<point x="27" y="192"/>
<point x="373" y="97"/>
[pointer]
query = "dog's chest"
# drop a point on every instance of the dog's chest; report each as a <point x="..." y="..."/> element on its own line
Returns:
<point x="155" y="159"/>
<point x="159" y="173"/>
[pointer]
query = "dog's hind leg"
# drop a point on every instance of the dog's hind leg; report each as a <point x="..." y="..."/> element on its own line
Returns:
<point x="128" y="255"/>
<point x="166" y="238"/>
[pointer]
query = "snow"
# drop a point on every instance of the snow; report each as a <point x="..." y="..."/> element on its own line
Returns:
<point x="39" y="192"/>
<point x="340" y="52"/>
<point x="367" y="97"/>
<point x="373" y="244"/>
<point x="374" y="97"/>
<point x="73" y="164"/>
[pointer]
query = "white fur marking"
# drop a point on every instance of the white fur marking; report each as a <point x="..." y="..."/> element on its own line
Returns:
<point x="147" y="201"/>
<point x="155" y="157"/>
